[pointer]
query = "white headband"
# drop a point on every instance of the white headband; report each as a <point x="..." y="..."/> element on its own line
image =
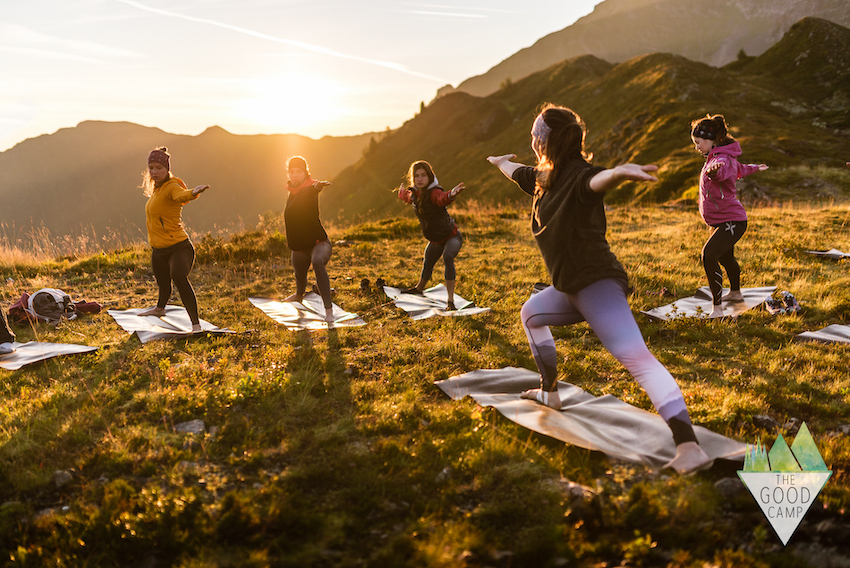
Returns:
<point x="539" y="134"/>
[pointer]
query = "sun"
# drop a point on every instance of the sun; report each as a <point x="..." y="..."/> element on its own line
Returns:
<point x="290" y="103"/>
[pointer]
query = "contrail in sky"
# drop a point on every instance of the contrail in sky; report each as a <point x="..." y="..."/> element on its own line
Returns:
<point x="294" y="43"/>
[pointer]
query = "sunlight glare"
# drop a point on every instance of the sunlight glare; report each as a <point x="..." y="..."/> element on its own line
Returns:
<point x="291" y="103"/>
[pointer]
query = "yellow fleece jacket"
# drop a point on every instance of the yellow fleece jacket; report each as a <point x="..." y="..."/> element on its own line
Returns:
<point x="164" y="212"/>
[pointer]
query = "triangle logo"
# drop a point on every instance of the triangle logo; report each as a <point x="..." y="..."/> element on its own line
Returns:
<point x="786" y="481"/>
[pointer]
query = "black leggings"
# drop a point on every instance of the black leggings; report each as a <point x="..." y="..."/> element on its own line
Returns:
<point x="6" y="333"/>
<point x="720" y="249"/>
<point x="318" y="256"/>
<point x="174" y="264"/>
<point x="448" y="250"/>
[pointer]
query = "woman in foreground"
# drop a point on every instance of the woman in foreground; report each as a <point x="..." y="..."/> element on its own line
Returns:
<point x="588" y="282"/>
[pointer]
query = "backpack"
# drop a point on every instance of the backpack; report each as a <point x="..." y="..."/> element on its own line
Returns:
<point x="50" y="305"/>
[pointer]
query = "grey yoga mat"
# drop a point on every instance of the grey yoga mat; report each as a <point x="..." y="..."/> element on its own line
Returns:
<point x="605" y="424"/>
<point x="309" y="313"/>
<point x="834" y="333"/>
<point x="700" y="304"/>
<point x="173" y="325"/>
<point x="34" y="351"/>
<point x="431" y="303"/>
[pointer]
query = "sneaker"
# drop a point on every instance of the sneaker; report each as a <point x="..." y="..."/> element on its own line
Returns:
<point x="790" y="302"/>
<point x="774" y="306"/>
<point x="6" y="348"/>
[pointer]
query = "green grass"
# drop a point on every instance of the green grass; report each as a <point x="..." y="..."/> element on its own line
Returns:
<point x="336" y="449"/>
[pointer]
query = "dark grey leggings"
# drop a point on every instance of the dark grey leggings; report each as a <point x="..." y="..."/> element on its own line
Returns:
<point x="720" y="249"/>
<point x="318" y="256"/>
<point x="6" y="333"/>
<point x="174" y="264"/>
<point x="448" y="250"/>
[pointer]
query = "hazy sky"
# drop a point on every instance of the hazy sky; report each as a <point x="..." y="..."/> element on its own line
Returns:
<point x="313" y="67"/>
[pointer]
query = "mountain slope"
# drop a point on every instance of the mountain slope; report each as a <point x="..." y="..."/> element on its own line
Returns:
<point x="88" y="176"/>
<point x="617" y="30"/>
<point x="637" y="111"/>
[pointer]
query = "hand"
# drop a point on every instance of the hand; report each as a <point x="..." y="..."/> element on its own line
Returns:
<point x="497" y="160"/>
<point x="711" y="170"/>
<point x="320" y="185"/>
<point x="456" y="190"/>
<point x="763" y="167"/>
<point x="635" y="172"/>
<point x="200" y="189"/>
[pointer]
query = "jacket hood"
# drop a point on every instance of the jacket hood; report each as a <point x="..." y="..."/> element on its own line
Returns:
<point x="733" y="149"/>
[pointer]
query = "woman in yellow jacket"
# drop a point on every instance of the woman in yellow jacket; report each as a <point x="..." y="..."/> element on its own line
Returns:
<point x="172" y="253"/>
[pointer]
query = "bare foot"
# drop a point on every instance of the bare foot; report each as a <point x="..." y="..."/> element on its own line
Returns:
<point x="158" y="312"/>
<point x="547" y="398"/>
<point x="196" y="328"/>
<point x="717" y="312"/>
<point x="690" y="458"/>
<point x="329" y="316"/>
<point x="296" y="297"/>
<point x="733" y="296"/>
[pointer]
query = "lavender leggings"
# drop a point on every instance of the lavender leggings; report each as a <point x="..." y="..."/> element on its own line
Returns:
<point x="604" y="306"/>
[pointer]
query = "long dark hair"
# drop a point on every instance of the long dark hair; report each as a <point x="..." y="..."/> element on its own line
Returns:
<point x="420" y="165"/>
<point x="565" y="142"/>
<point x="713" y="127"/>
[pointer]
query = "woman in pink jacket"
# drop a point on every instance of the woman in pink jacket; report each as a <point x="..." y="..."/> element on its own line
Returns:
<point x="719" y="205"/>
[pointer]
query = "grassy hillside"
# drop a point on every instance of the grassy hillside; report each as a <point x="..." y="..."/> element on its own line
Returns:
<point x="790" y="108"/>
<point x="336" y="449"/>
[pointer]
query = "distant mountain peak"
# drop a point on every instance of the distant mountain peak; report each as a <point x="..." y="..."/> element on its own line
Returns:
<point x="617" y="30"/>
<point x="215" y="130"/>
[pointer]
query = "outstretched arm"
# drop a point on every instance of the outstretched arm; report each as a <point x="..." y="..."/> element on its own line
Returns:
<point x="320" y="185"/>
<point x="609" y="179"/>
<point x="505" y="165"/>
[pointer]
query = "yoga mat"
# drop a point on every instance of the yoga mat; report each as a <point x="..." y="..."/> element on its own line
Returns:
<point x="307" y="314"/>
<point x="605" y="424"/>
<point x="834" y="333"/>
<point x="834" y="254"/>
<point x="173" y="325"/>
<point x="690" y="306"/>
<point x="34" y="351"/>
<point x="431" y="303"/>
